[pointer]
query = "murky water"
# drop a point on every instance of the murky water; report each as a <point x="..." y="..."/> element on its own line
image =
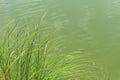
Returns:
<point x="92" y="25"/>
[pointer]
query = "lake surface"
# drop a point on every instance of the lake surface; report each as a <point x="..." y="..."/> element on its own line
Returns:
<point x="90" y="25"/>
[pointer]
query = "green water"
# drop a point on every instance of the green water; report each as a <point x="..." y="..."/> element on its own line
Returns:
<point x="90" y="25"/>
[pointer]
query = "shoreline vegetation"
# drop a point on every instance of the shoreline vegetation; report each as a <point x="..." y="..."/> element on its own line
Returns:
<point x="29" y="53"/>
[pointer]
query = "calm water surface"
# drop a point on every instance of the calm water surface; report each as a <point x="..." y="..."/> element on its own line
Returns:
<point x="92" y="25"/>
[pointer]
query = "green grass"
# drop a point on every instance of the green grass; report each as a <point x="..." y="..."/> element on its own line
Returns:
<point x="28" y="52"/>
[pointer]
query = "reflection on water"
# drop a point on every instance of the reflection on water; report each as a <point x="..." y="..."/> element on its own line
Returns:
<point x="87" y="24"/>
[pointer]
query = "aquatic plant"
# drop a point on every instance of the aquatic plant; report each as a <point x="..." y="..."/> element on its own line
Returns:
<point x="27" y="52"/>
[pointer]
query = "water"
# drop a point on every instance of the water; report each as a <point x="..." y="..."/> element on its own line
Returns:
<point x="91" y="25"/>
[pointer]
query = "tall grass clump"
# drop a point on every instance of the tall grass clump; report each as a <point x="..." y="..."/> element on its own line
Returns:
<point x="27" y="52"/>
